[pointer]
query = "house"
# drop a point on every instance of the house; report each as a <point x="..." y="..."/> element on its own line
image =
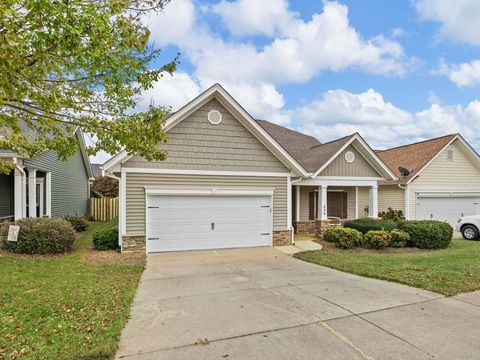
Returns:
<point x="441" y="182"/>
<point x="233" y="181"/>
<point x="97" y="170"/>
<point x="45" y="186"/>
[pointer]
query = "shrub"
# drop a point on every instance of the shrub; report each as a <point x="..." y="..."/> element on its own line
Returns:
<point x="79" y="223"/>
<point x="375" y="239"/>
<point x="427" y="234"/>
<point x="399" y="238"/>
<point x="390" y="214"/>
<point x="106" y="186"/>
<point x="343" y="238"/>
<point x="105" y="239"/>
<point x="41" y="236"/>
<point x="365" y="225"/>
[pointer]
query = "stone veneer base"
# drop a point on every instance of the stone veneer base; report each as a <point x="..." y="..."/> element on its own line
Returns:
<point x="282" y="237"/>
<point x="305" y="227"/>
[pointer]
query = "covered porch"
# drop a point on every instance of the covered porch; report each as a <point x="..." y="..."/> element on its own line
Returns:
<point x="319" y="202"/>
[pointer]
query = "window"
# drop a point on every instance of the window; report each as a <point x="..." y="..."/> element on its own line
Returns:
<point x="450" y="154"/>
<point x="214" y="117"/>
<point x="349" y="157"/>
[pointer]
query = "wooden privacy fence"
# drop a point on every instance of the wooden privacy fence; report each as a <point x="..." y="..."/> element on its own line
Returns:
<point x="103" y="209"/>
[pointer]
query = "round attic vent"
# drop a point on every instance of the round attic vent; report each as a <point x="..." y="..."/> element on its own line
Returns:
<point x="349" y="156"/>
<point x="214" y="117"/>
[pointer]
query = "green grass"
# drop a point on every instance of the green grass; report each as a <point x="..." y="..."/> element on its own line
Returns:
<point x="448" y="271"/>
<point x="64" y="307"/>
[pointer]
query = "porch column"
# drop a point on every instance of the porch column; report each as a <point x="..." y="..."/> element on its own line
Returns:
<point x="18" y="185"/>
<point x="356" y="202"/>
<point x="297" y="203"/>
<point x="373" y="207"/>
<point x="48" y="193"/>
<point x="32" y="193"/>
<point x="322" y="202"/>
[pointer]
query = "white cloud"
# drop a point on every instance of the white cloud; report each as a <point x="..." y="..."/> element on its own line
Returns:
<point x="300" y="52"/>
<point x="459" y="19"/>
<point x="338" y="113"/>
<point x="465" y="74"/>
<point x="253" y="17"/>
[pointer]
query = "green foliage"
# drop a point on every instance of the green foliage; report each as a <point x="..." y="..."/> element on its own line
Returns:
<point x="343" y="238"/>
<point x="399" y="238"/>
<point x="390" y="214"/>
<point x="106" y="186"/>
<point x="94" y="193"/>
<point x="79" y="223"/>
<point x="41" y="236"/>
<point x="74" y="63"/>
<point x="106" y="239"/>
<point x="365" y="225"/>
<point x="427" y="234"/>
<point x="376" y="239"/>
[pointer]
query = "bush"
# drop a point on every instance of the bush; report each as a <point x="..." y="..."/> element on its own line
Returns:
<point x="40" y="236"/>
<point x="427" y="234"/>
<point x="376" y="239"/>
<point x="390" y="214"/>
<point x="365" y="225"/>
<point x="105" y="239"/>
<point x="79" y="223"/>
<point x="399" y="238"/>
<point x="343" y="238"/>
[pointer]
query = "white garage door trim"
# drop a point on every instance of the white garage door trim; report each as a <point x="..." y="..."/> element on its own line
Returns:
<point x="213" y="191"/>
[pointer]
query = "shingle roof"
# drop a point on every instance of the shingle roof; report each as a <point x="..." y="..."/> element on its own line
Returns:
<point x="306" y="149"/>
<point x="413" y="156"/>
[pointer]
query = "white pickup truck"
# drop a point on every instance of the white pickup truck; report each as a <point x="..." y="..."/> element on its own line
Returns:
<point x="469" y="227"/>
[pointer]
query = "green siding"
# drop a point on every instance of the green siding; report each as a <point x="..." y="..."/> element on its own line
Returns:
<point x="70" y="189"/>
<point x="6" y="195"/>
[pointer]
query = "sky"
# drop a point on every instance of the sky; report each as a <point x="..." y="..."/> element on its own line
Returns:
<point x="395" y="71"/>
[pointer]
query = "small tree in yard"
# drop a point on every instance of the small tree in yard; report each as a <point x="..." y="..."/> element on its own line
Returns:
<point x="69" y="63"/>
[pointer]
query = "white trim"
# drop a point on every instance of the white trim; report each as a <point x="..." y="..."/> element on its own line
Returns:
<point x="83" y="151"/>
<point x="406" y="200"/>
<point x="297" y="203"/>
<point x="446" y="194"/>
<point x="42" y="189"/>
<point x="373" y="203"/>
<point x="122" y="208"/>
<point x="369" y="151"/>
<point x="353" y="182"/>
<point x="349" y="157"/>
<point x="204" y="191"/>
<point x="453" y="187"/>
<point x="289" y="202"/>
<point x="323" y="201"/>
<point x="214" y="122"/>
<point x="19" y="185"/>
<point x="202" y="172"/>
<point x="350" y="178"/>
<point x="356" y="202"/>
<point x="48" y="193"/>
<point x="32" y="193"/>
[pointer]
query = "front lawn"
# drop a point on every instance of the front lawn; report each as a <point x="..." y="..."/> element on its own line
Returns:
<point x="449" y="271"/>
<point x="65" y="307"/>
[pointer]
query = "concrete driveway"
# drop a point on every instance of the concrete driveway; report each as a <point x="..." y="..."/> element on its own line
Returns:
<point x="261" y="304"/>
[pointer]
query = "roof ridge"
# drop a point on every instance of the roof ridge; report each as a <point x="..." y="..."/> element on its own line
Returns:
<point x="286" y="128"/>
<point x="416" y="143"/>
<point x="332" y="141"/>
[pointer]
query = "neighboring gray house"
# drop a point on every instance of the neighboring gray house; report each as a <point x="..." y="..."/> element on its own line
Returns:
<point x="52" y="187"/>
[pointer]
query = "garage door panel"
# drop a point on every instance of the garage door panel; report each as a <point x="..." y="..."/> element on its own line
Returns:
<point x="177" y="222"/>
<point x="447" y="208"/>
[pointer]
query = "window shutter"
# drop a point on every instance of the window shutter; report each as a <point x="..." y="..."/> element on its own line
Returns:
<point x="311" y="206"/>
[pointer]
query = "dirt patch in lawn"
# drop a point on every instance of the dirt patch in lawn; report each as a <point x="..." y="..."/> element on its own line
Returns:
<point x="114" y="257"/>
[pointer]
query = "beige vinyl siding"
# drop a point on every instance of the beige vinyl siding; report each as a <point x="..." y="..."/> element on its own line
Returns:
<point x="390" y="196"/>
<point x="413" y="204"/>
<point x="195" y="144"/>
<point x="459" y="171"/>
<point x="350" y="202"/>
<point x="363" y="201"/>
<point x="359" y="167"/>
<point x="136" y="183"/>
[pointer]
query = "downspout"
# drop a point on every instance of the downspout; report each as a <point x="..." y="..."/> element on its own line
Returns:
<point x="292" y="229"/>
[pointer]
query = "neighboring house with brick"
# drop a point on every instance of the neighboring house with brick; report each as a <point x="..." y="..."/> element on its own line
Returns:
<point x="233" y="181"/>
<point x="45" y="186"/>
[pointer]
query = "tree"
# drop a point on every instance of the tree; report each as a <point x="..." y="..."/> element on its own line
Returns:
<point x="69" y="63"/>
<point x="106" y="186"/>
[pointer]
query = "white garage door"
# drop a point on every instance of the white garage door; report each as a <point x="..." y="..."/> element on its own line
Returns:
<point x="448" y="208"/>
<point x="181" y="222"/>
